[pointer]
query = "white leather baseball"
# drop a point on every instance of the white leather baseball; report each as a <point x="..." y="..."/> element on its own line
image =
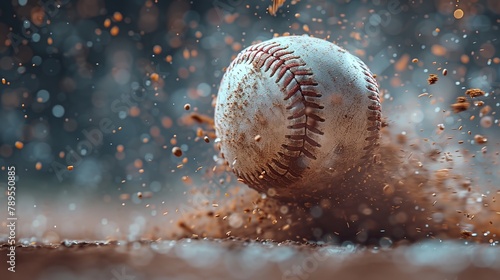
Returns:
<point x="295" y="114"/>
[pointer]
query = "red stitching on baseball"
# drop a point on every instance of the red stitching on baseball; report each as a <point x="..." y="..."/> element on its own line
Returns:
<point x="291" y="71"/>
<point x="374" y="111"/>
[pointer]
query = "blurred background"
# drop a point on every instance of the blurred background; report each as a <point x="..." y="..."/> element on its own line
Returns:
<point x="95" y="95"/>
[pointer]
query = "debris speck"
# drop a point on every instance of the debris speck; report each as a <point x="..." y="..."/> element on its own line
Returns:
<point x="177" y="151"/>
<point x="433" y="78"/>
<point x="461" y="105"/>
<point x="474" y="92"/>
<point x="480" y="139"/>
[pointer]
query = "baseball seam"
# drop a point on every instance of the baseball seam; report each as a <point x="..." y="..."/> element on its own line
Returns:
<point x="374" y="112"/>
<point x="296" y="78"/>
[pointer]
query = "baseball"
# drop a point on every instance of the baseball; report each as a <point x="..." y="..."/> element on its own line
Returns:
<point x="295" y="114"/>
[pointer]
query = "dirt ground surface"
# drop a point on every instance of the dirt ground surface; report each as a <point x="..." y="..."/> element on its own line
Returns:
<point x="241" y="259"/>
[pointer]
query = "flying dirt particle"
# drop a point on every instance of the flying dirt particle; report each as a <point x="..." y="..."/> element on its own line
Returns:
<point x="114" y="31"/>
<point x="479" y="104"/>
<point x="433" y="78"/>
<point x="157" y="49"/>
<point x="177" y="151"/>
<point x="107" y="23"/>
<point x="154" y="77"/>
<point x="480" y="139"/>
<point x="19" y="145"/>
<point x="474" y="92"/>
<point x="117" y="16"/>
<point x="461" y="105"/>
<point x="466" y="234"/>
<point x="275" y="6"/>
